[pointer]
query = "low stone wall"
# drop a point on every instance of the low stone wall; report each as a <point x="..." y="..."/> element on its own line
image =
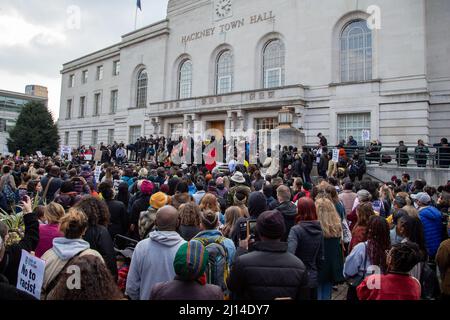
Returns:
<point x="433" y="176"/>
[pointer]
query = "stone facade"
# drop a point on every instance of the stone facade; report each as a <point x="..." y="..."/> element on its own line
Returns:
<point x="406" y="98"/>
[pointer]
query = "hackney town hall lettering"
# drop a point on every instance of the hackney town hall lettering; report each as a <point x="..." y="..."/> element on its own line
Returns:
<point x="257" y="18"/>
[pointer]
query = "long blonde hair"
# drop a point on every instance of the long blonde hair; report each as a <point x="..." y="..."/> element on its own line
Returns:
<point x="329" y="218"/>
<point x="232" y="214"/>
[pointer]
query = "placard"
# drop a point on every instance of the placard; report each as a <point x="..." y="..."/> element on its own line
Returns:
<point x="30" y="275"/>
<point x="335" y="155"/>
<point x="39" y="154"/>
<point x="366" y="135"/>
<point x="98" y="155"/>
<point x="98" y="171"/>
<point x="88" y="157"/>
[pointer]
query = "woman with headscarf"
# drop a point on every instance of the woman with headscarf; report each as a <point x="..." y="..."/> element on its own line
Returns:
<point x="190" y="281"/>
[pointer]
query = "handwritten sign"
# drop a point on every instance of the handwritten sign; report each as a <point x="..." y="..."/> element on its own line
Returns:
<point x="366" y="135"/>
<point x="30" y="275"/>
<point x="88" y="157"/>
<point x="335" y="155"/>
<point x="98" y="171"/>
<point x="98" y="155"/>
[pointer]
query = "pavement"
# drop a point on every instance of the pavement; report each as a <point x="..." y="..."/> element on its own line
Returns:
<point x="340" y="293"/>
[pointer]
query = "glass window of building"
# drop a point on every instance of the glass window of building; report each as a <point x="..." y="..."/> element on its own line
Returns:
<point x="80" y="138"/>
<point x="110" y="136"/>
<point x="135" y="133"/>
<point x="224" y="81"/>
<point x="71" y="81"/>
<point x="266" y="124"/>
<point x="69" y="109"/>
<point x="66" y="138"/>
<point x="97" y="104"/>
<point x="82" y="107"/>
<point x="94" y="140"/>
<point x="176" y="130"/>
<point x="274" y="64"/>
<point x="356" y="52"/>
<point x="100" y="73"/>
<point x="353" y="124"/>
<point x="2" y="125"/>
<point x="114" y="100"/>
<point x="185" y="80"/>
<point x="84" y="77"/>
<point x="142" y="85"/>
<point x="116" y="68"/>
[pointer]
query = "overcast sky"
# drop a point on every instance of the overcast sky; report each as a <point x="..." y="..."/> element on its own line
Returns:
<point x="37" y="37"/>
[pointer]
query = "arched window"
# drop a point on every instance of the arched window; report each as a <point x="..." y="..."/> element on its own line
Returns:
<point x="273" y="64"/>
<point x="356" y="52"/>
<point x="142" y="84"/>
<point x="224" y="72"/>
<point x="185" y="80"/>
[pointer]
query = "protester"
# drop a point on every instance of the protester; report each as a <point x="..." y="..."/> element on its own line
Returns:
<point x="359" y="232"/>
<point x="443" y="263"/>
<point x="49" y="231"/>
<point x="190" y="220"/>
<point x="147" y="218"/>
<point x="287" y="208"/>
<point x="118" y="219"/>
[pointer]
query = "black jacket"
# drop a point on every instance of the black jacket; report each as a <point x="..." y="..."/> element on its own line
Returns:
<point x="289" y="211"/>
<point x="118" y="218"/>
<point x="52" y="188"/>
<point x="100" y="240"/>
<point x="10" y="293"/>
<point x="11" y="260"/>
<point x="267" y="273"/>
<point x="140" y="204"/>
<point x="306" y="242"/>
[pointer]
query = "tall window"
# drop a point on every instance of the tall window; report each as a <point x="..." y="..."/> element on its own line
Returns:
<point x="135" y="133"/>
<point x="97" y="103"/>
<point x="274" y="64"/>
<point x="142" y="84"/>
<point x="84" y="77"/>
<point x="114" y="99"/>
<point x="66" y="138"/>
<point x="116" y="68"/>
<point x="2" y="125"/>
<point x="71" y="81"/>
<point x="100" y="73"/>
<point x="69" y="109"/>
<point x="80" y="138"/>
<point x="224" y="81"/>
<point x="110" y="136"/>
<point x="94" y="140"/>
<point x="356" y="52"/>
<point x="353" y="125"/>
<point x="82" y="106"/>
<point x="185" y="80"/>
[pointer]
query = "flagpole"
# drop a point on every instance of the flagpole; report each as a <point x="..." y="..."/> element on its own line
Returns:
<point x="135" y="19"/>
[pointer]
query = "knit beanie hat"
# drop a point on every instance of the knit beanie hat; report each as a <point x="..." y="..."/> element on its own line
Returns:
<point x="257" y="204"/>
<point x="270" y="224"/>
<point x="158" y="200"/>
<point x="191" y="260"/>
<point x="146" y="187"/>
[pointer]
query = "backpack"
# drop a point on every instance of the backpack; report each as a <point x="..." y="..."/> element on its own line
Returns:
<point x="217" y="270"/>
<point x="9" y="193"/>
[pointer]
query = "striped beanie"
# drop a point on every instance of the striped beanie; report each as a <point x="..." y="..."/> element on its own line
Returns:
<point x="191" y="260"/>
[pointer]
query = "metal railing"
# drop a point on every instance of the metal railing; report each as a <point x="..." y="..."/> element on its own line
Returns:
<point x="388" y="155"/>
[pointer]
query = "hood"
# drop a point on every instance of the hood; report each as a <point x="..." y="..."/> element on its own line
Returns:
<point x="313" y="228"/>
<point x="166" y="238"/>
<point x="85" y="174"/>
<point x="431" y="213"/>
<point x="67" y="248"/>
<point x="287" y="209"/>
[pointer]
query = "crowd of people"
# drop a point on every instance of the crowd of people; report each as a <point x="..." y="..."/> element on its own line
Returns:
<point x="243" y="232"/>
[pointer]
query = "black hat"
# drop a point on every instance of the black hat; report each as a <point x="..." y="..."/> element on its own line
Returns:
<point x="257" y="204"/>
<point x="270" y="224"/>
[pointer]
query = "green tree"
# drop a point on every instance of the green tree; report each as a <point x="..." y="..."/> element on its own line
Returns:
<point x="35" y="130"/>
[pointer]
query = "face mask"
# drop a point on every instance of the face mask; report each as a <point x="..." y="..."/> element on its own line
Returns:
<point x="416" y="205"/>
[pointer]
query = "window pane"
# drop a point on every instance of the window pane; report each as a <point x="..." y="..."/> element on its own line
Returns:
<point x="224" y="73"/>
<point x="353" y="125"/>
<point x="142" y="84"/>
<point x="274" y="59"/>
<point x="185" y="80"/>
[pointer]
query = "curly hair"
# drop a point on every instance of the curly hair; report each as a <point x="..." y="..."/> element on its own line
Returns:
<point x="209" y="201"/>
<point x="189" y="214"/>
<point x="379" y="241"/>
<point x="97" y="283"/>
<point x="95" y="209"/>
<point x="403" y="257"/>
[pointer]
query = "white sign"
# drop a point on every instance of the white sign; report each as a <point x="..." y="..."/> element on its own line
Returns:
<point x="335" y="155"/>
<point x="98" y="171"/>
<point x="30" y="275"/>
<point x="88" y="157"/>
<point x="39" y="154"/>
<point x="366" y="135"/>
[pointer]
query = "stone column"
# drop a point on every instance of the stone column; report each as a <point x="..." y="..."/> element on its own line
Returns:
<point x="300" y="117"/>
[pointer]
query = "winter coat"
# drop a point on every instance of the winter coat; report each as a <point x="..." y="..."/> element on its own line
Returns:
<point x="432" y="228"/>
<point x="180" y="290"/>
<point x="289" y="211"/>
<point x="359" y="234"/>
<point x="89" y="177"/>
<point x="141" y="203"/>
<point x="347" y="197"/>
<point x="118" y="221"/>
<point x="443" y="262"/>
<point x="211" y="236"/>
<point x="100" y="241"/>
<point x="188" y="232"/>
<point x="198" y="196"/>
<point x="47" y="232"/>
<point x="10" y="263"/>
<point x="67" y="200"/>
<point x="11" y="293"/>
<point x="333" y="262"/>
<point x="147" y="221"/>
<point x="80" y="186"/>
<point x="56" y="259"/>
<point x="53" y="187"/>
<point x="393" y="287"/>
<point x="267" y="273"/>
<point x="306" y="242"/>
<point x="152" y="263"/>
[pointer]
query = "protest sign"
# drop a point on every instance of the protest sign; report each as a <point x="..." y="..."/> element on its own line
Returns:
<point x="366" y="135"/>
<point x="98" y="171"/>
<point x="39" y="154"/>
<point x="335" y="155"/>
<point x="30" y="275"/>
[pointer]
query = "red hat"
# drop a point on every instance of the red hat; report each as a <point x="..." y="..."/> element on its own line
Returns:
<point x="146" y="187"/>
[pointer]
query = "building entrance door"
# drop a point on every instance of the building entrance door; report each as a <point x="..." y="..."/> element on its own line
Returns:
<point x="219" y="126"/>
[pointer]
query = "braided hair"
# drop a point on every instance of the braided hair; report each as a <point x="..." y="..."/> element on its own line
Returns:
<point x="379" y="241"/>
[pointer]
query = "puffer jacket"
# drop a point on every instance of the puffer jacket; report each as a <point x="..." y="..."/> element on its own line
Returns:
<point x="306" y="242"/>
<point x="432" y="227"/>
<point x="67" y="200"/>
<point x="289" y="211"/>
<point x="99" y="240"/>
<point x="267" y="273"/>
